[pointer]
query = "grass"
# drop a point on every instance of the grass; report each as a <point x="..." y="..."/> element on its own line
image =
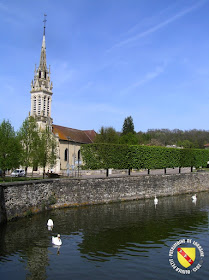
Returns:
<point x="204" y="169"/>
<point x="14" y="179"/>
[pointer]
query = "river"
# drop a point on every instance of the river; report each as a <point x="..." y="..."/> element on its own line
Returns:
<point x="124" y="240"/>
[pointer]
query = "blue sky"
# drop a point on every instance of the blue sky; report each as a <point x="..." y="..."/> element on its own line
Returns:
<point x="109" y="59"/>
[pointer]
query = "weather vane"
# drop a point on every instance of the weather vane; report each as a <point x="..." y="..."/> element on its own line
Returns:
<point x="44" y="22"/>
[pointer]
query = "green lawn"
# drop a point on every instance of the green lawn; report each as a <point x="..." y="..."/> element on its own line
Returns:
<point x="14" y="179"/>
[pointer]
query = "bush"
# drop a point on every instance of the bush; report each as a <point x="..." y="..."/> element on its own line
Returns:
<point x="105" y="156"/>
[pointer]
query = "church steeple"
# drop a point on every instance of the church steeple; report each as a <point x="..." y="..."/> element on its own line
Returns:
<point x="41" y="89"/>
<point x="42" y="65"/>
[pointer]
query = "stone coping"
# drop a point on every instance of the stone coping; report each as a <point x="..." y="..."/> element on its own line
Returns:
<point x="30" y="182"/>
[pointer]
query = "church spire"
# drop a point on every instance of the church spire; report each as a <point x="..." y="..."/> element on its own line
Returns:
<point x="44" y="21"/>
<point x="42" y="65"/>
<point x="41" y="89"/>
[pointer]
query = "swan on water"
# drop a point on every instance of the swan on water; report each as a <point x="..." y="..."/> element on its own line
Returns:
<point x="57" y="240"/>
<point x="155" y="200"/>
<point x="194" y="197"/>
<point x="50" y="223"/>
<point x="194" y="201"/>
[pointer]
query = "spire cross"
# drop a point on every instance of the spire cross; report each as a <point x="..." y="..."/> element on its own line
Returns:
<point x="44" y="22"/>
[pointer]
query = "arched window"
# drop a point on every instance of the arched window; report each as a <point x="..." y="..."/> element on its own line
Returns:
<point x="34" y="104"/>
<point x="44" y="105"/>
<point x="79" y="155"/>
<point x="39" y="105"/>
<point x="66" y="154"/>
<point x="48" y="106"/>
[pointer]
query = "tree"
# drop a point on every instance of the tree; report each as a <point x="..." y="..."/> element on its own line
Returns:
<point x="128" y="126"/>
<point x="186" y="144"/>
<point x="128" y="135"/>
<point x="47" y="149"/>
<point x="10" y="148"/>
<point x="29" y="138"/>
<point x="107" y="135"/>
<point x="197" y="138"/>
<point x="129" y="139"/>
<point x="143" y="138"/>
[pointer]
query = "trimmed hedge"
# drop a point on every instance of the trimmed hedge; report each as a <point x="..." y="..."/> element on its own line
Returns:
<point x="104" y="156"/>
<point x="194" y="157"/>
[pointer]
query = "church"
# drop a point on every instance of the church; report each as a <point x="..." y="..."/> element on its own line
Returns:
<point x="69" y="140"/>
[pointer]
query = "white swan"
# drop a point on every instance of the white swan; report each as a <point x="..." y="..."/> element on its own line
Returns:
<point x="194" y="201"/>
<point x="57" y="240"/>
<point x="155" y="200"/>
<point x="50" y="223"/>
<point x="194" y="197"/>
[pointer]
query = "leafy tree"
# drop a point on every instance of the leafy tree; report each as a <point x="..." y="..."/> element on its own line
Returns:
<point x="47" y="149"/>
<point x="10" y="148"/>
<point x="128" y="135"/>
<point x="143" y="137"/>
<point x="107" y="135"/>
<point x="128" y="126"/>
<point x="197" y="138"/>
<point x="129" y="138"/>
<point x="186" y="144"/>
<point x="29" y="138"/>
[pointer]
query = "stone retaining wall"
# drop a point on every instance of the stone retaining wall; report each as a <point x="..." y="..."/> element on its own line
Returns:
<point x="23" y="198"/>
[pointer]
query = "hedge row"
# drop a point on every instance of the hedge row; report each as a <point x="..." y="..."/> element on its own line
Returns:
<point x="97" y="156"/>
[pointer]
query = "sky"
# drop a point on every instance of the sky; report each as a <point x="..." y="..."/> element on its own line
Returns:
<point x="109" y="59"/>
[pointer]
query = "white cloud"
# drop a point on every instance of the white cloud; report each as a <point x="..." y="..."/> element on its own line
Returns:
<point x="147" y="78"/>
<point x="62" y="73"/>
<point x="157" y="26"/>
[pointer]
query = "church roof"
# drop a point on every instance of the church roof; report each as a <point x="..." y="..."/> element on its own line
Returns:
<point x="206" y="145"/>
<point x="74" y="135"/>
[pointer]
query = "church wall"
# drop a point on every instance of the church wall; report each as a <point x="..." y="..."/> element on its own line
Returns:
<point x="73" y="152"/>
<point x="61" y="165"/>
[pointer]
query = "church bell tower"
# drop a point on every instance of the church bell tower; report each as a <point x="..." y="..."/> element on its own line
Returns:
<point x="41" y="90"/>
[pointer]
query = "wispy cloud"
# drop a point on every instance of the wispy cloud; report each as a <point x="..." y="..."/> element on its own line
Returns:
<point x="3" y="7"/>
<point x="88" y="107"/>
<point x="147" y="78"/>
<point x="14" y="14"/>
<point x="149" y="20"/>
<point x="158" y="26"/>
<point x="87" y="112"/>
<point x="62" y="73"/>
<point x="85" y="87"/>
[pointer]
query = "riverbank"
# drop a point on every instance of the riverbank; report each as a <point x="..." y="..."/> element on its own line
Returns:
<point x="19" y="199"/>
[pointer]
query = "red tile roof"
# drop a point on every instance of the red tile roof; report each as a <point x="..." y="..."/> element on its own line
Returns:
<point x="206" y="145"/>
<point x="74" y="135"/>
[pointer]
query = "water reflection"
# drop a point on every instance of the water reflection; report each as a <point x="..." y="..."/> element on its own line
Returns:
<point x="50" y="228"/>
<point x="126" y="231"/>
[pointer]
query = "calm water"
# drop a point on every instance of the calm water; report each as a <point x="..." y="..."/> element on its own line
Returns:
<point x="129" y="240"/>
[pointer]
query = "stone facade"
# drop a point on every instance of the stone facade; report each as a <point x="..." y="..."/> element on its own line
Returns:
<point x="41" y="91"/>
<point x="68" y="139"/>
<point x="73" y="154"/>
<point x="69" y="143"/>
<point x="22" y="198"/>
